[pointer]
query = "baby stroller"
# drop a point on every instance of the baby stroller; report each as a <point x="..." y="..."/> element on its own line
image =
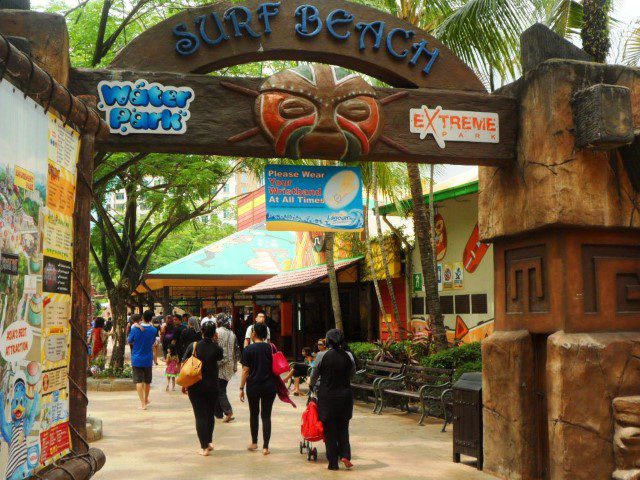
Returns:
<point x="311" y="429"/>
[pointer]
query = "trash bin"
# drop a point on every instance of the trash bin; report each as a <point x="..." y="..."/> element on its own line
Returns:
<point x="467" y="417"/>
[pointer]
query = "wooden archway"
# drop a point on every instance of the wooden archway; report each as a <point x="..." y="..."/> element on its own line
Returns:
<point x="278" y="39"/>
<point x="429" y="81"/>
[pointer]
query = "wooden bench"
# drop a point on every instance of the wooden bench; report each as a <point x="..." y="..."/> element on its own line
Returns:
<point x="422" y="385"/>
<point x="366" y="380"/>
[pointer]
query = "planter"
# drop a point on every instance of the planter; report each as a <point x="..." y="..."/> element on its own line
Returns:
<point x="110" y="385"/>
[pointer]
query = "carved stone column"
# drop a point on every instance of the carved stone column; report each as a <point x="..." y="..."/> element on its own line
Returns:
<point x="565" y="223"/>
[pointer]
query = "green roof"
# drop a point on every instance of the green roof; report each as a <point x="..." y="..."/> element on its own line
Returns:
<point x="254" y="251"/>
<point x="440" y="196"/>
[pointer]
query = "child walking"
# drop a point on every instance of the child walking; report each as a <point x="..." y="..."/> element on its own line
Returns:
<point x="173" y="368"/>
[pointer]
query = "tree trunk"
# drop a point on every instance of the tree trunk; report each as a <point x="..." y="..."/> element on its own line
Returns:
<point x="432" y="217"/>
<point x="118" y="300"/>
<point x="374" y="275"/>
<point x="383" y="253"/>
<point x="333" y="281"/>
<point x="423" y="240"/>
<point x="595" y="29"/>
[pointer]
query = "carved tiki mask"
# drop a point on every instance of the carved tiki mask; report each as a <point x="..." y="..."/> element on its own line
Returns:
<point x="319" y="111"/>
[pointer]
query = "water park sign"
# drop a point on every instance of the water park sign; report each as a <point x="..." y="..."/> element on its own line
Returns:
<point x="143" y="107"/>
<point x="317" y="199"/>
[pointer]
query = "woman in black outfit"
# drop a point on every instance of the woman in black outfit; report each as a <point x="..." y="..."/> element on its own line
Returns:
<point x="258" y="376"/>
<point x="334" y="369"/>
<point x="204" y="394"/>
<point x="190" y="334"/>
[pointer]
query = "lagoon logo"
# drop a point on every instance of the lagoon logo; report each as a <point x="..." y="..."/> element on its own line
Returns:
<point x="143" y="107"/>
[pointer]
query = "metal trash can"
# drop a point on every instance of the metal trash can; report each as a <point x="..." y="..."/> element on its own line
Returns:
<point x="467" y="417"/>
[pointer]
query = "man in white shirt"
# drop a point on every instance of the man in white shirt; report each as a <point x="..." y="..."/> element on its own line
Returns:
<point x="260" y="318"/>
<point x="209" y="318"/>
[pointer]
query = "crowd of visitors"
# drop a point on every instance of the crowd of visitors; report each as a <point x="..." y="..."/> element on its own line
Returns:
<point x="213" y="343"/>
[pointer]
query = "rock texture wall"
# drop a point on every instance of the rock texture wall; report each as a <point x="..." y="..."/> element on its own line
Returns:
<point x="47" y="36"/>
<point x="553" y="183"/>
<point x="585" y="373"/>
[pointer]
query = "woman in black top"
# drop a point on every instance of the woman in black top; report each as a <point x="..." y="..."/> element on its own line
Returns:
<point x="334" y="369"/>
<point x="204" y="394"/>
<point x="258" y="376"/>
<point x="190" y="335"/>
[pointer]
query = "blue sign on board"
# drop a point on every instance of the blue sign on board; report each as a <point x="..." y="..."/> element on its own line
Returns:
<point x="316" y="199"/>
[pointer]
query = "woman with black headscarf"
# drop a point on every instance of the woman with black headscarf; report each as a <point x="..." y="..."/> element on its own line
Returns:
<point x="333" y="370"/>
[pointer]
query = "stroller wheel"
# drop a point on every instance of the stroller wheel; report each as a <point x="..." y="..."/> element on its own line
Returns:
<point x="314" y="454"/>
<point x="308" y="455"/>
<point x="301" y="448"/>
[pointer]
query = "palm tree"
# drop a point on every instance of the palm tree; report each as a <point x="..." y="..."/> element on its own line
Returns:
<point x="595" y="28"/>
<point x="383" y="250"/>
<point x="334" y="288"/>
<point x="421" y="226"/>
<point x="372" y="269"/>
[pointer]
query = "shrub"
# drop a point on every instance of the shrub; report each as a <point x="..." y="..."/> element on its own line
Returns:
<point x="126" y="372"/>
<point x="468" y="367"/>
<point x="362" y="351"/>
<point x="455" y="357"/>
<point x="100" y="362"/>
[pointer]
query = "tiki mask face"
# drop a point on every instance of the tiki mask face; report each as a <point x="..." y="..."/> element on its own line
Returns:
<point x="319" y="111"/>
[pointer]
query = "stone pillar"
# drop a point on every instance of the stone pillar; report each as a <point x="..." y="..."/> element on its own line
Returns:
<point x="46" y="34"/>
<point x="565" y="223"/>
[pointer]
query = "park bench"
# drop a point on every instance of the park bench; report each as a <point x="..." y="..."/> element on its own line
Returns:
<point x="366" y="380"/>
<point x="422" y="385"/>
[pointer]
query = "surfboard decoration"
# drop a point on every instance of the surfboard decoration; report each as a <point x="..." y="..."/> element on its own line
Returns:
<point x="441" y="237"/>
<point x="474" y="252"/>
<point x="461" y="328"/>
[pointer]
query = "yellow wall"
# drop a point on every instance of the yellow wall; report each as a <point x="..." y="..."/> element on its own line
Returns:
<point x="460" y="217"/>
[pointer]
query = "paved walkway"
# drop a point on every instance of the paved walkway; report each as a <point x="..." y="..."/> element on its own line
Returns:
<point x="161" y="443"/>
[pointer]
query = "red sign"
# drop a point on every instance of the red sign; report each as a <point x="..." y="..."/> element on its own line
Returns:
<point x="54" y="441"/>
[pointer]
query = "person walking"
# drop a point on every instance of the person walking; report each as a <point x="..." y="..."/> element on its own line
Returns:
<point x="333" y="370"/>
<point x="204" y="394"/>
<point x="229" y="364"/>
<point x="167" y="334"/>
<point x="178" y="330"/>
<point x="191" y="334"/>
<point x="99" y="339"/>
<point x="260" y="318"/>
<point x="142" y="338"/>
<point x="257" y="375"/>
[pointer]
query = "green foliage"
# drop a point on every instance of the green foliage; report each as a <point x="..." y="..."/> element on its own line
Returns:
<point x="465" y="358"/>
<point x="187" y="239"/>
<point x="124" y="372"/>
<point x="362" y="351"/>
<point x="466" y="368"/>
<point x="455" y="357"/>
<point x="99" y="362"/>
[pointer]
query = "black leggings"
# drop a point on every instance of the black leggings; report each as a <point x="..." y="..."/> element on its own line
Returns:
<point x="261" y="403"/>
<point x="336" y="439"/>
<point x="203" y="403"/>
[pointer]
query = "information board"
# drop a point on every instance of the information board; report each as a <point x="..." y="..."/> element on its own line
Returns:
<point x="38" y="157"/>
<point x="316" y="199"/>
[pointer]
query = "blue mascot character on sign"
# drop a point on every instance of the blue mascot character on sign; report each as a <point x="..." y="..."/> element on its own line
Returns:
<point x="15" y="432"/>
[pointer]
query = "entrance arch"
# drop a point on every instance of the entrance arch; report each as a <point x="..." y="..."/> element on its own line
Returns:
<point x="332" y="32"/>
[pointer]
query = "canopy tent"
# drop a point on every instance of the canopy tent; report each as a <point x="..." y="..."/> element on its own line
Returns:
<point x="233" y="263"/>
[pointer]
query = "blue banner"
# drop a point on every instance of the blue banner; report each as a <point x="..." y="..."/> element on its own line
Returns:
<point x="315" y="199"/>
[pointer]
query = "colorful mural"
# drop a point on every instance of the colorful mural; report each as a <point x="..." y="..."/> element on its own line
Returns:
<point x="466" y="290"/>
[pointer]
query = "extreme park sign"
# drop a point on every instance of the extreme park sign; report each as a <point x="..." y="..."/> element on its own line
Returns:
<point x="157" y="97"/>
